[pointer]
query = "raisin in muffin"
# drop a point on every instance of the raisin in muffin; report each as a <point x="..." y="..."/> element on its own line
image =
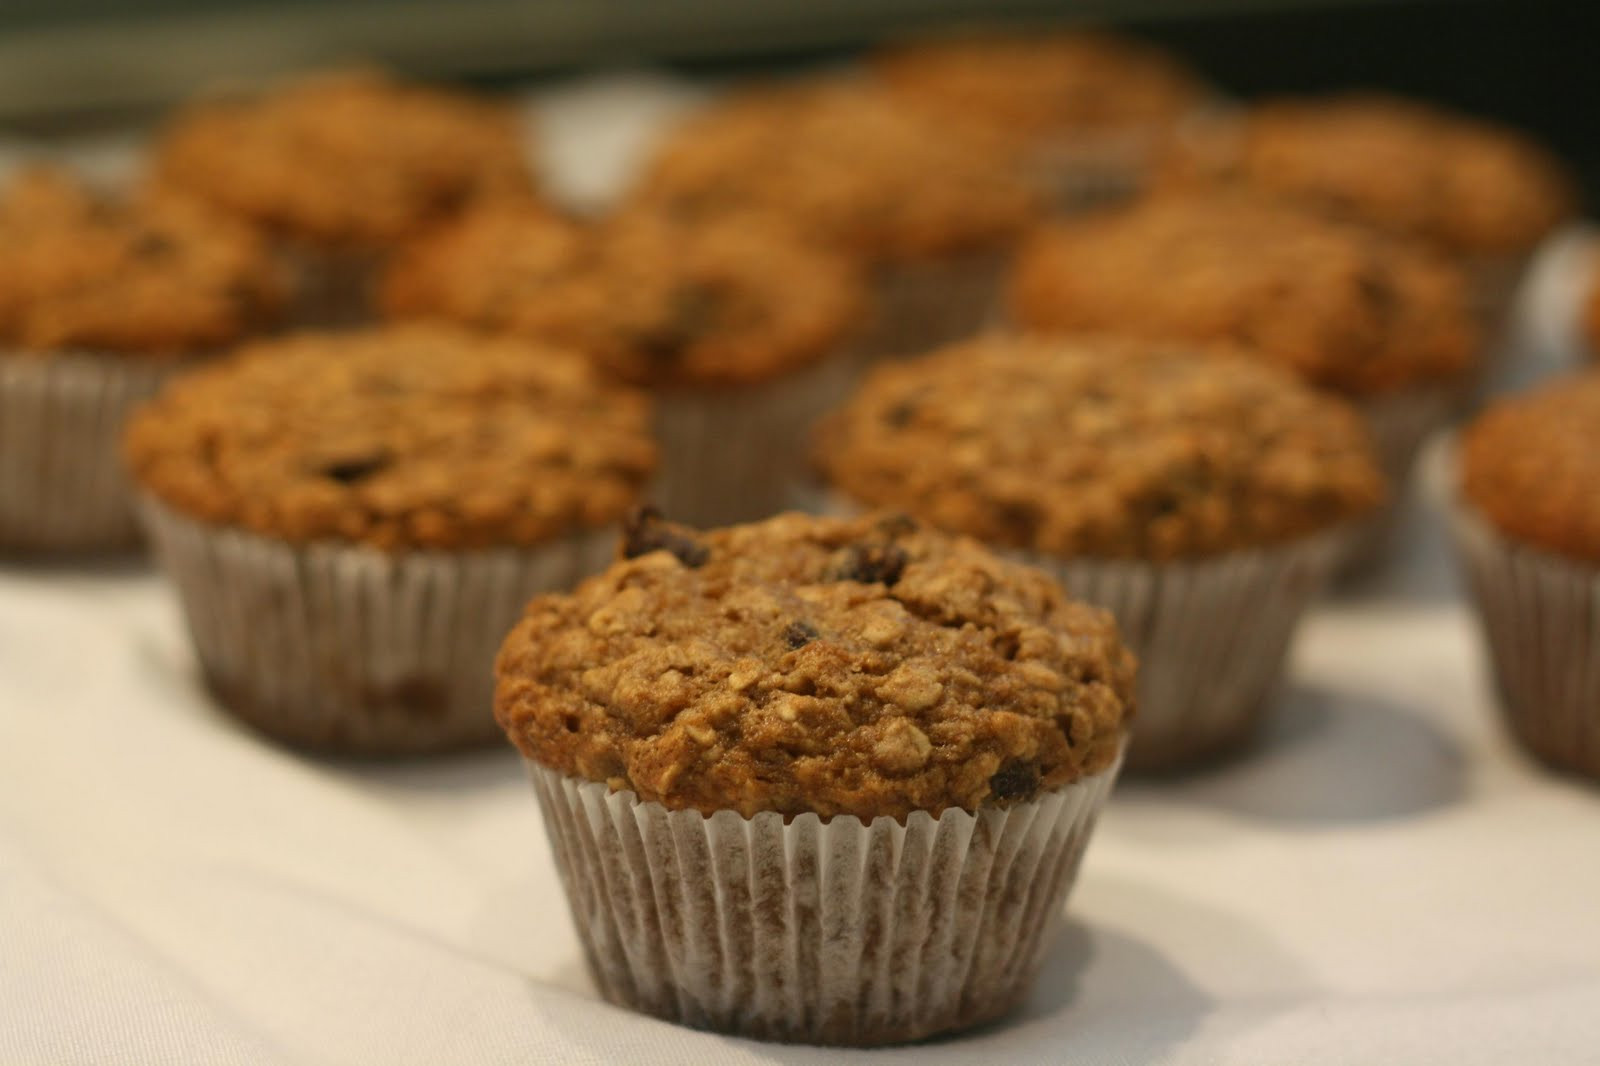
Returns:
<point x="1199" y="495"/>
<point x="1527" y="525"/>
<point x="932" y="210"/>
<point x="737" y="325"/>
<point x="1085" y="110"/>
<point x="102" y="298"/>
<point x="352" y="520"/>
<point x="770" y="714"/>
<point x="340" y="167"/>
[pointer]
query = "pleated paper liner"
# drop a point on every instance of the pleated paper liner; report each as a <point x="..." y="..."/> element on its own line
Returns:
<point x="347" y="648"/>
<point x="825" y="932"/>
<point x="923" y="305"/>
<point x="62" y="487"/>
<point x="1540" y="617"/>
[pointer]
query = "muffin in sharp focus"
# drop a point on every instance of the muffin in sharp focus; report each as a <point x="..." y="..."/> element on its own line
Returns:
<point x="1480" y="193"/>
<point x="1200" y="496"/>
<point x="1527" y="527"/>
<point x="854" y="757"/>
<point x="353" y="520"/>
<point x="933" y="211"/>
<point x="1084" y="111"/>
<point x="739" y="328"/>
<point x="102" y="298"/>
<point x="340" y="168"/>
<point x="1382" y="322"/>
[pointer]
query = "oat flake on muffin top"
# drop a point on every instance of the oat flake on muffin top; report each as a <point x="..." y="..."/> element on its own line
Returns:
<point x="1102" y="447"/>
<point x="1531" y="465"/>
<point x="402" y="437"/>
<point x="1344" y="307"/>
<point x="846" y="667"/>
<point x="153" y="276"/>
<point x="657" y="300"/>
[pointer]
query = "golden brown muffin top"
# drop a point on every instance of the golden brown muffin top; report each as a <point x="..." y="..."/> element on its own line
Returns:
<point x="847" y="166"/>
<point x="657" y="300"/>
<point x="859" y="667"/>
<point x="1530" y="463"/>
<point x="155" y="277"/>
<point x="347" y="160"/>
<point x="1465" y="186"/>
<point x="1102" y="447"/>
<point x="1032" y="86"/>
<point x="405" y="437"/>
<point x="1342" y="306"/>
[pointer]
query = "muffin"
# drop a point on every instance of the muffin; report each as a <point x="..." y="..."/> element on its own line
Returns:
<point x="1526" y="524"/>
<point x="933" y="211"/>
<point x="1382" y="322"/>
<point x="101" y="298"/>
<point x="815" y="779"/>
<point x="353" y="520"/>
<point x="1482" y="194"/>
<point x="1589" y="327"/>
<point x="1084" y="111"/>
<point x="341" y="167"/>
<point x="1200" y="496"/>
<point x="736" y="325"/>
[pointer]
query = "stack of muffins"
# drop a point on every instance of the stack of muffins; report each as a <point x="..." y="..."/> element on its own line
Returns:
<point x="1090" y="367"/>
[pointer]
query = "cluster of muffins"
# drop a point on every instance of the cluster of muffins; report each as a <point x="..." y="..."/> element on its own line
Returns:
<point x="1099" y="378"/>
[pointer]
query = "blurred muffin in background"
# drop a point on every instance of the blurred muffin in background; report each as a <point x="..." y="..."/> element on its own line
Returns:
<point x="739" y="328"/>
<point x="1480" y="193"/>
<point x="933" y="210"/>
<point x="340" y="167"/>
<point x="1379" y="320"/>
<point x="101" y="299"/>
<point x="1199" y="495"/>
<point x="1085" y="111"/>
<point x="1589" y="327"/>
<point x="1526" y="520"/>
<point x="353" y="520"/>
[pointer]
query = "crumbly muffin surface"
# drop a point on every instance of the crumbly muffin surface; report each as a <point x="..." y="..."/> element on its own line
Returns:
<point x="351" y="160"/>
<point x="155" y="277"/>
<point x="1102" y="447"/>
<point x="1345" y="308"/>
<point x="848" y="667"/>
<point x="404" y="437"/>
<point x="1468" y="187"/>
<point x="657" y="300"/>
<point x="1040" y="85"/>
<point x="848" y="166"/>
<point x="1531" y="465"/>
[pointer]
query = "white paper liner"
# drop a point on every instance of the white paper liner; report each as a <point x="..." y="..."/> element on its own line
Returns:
<point x="1540" y="615"/>
<point x="62" y="486"/>
<point x="920" y="306"/>
<point x="732" y="455"/>
<point x="347" y="648"/>
<point x="824" y="932"/>
<point x="1211" y="636"/>
<point x="1400" y="424"/>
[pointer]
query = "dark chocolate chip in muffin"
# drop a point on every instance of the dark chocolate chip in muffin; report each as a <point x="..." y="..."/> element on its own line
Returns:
<point x="798" y="634"/>
<point x="646" y="531"/>
<point x="1015" y="780"/>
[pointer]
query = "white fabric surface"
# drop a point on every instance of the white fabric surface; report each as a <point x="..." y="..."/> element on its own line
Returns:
<point x="1387" y="880"/>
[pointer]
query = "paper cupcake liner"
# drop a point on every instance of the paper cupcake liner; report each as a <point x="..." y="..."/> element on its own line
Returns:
<point x="347" y="648"/>
<point x="732" y="455"/>
<point x="823" y="932"/>
<point x="1211" y="636"/>
<point x="1540" y="616"/>
<point x="1400" y="424"/>
<point x="1090" y="170"/>
<point x="920" y="306"/>
<point x="331" y="288"/>
<point x="62" y="486"/>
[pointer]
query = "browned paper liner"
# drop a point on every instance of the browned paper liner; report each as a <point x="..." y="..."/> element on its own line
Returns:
<point x="348" y="648"/>
<point x="920" y="306"/>
<point x="1211" y="637"/>
<point x="1540" y="615"/>
<point x="62" y="486"/>
<point x="836" y="932"/>
<point x="732" y="455"/>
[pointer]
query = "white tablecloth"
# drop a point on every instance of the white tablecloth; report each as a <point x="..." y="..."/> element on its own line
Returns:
<point x="1386" y="880"/>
